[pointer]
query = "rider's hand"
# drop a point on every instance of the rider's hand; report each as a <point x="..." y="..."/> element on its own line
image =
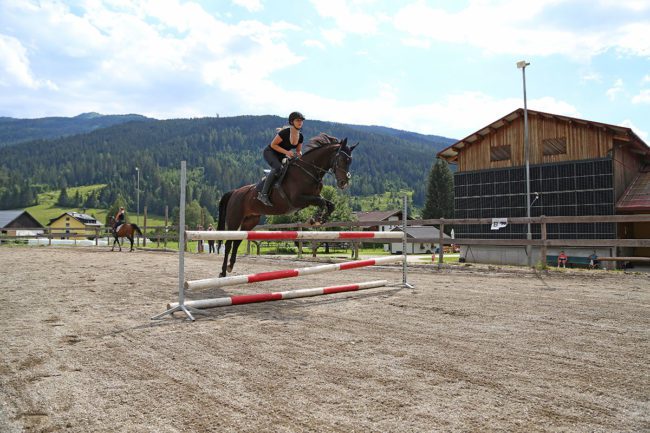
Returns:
<point x="291" y="154"/>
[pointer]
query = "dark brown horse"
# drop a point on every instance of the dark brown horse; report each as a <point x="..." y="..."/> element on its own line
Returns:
<point x="125" y="230"/>
<point x="300" y="187"/>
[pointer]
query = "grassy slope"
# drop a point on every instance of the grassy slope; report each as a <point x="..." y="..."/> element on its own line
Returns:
<point x="48" y="209"/>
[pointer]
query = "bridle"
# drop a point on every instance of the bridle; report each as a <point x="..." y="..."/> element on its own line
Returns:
<point x="321" y="172"/>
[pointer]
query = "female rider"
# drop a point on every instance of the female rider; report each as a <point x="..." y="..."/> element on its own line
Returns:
<point x="287" y="143"/>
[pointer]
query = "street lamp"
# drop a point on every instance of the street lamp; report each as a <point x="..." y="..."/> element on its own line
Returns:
<point x="522" y="65"/>
<point x="137" y="170"/>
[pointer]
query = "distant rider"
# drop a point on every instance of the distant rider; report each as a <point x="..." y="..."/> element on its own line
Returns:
<point x="287" y="143"/>
<point x="120" y="218"/>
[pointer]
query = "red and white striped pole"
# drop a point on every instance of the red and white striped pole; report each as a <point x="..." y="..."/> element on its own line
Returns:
<point x="288" y="273"/>
<point x="234" y="235"/>
<point x="277" y="296"/>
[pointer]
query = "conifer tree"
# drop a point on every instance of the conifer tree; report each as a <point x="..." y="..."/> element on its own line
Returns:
<point x="64" y="200"/>
<point x="440" y="192"/>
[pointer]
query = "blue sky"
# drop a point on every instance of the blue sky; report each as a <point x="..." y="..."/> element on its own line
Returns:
<point x="434" y="67"/>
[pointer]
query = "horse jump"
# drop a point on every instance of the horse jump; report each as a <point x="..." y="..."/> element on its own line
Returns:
<point x="184" y="306"/>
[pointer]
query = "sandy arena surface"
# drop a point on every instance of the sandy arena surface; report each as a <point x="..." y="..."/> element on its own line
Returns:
<point x="471" y="349"/>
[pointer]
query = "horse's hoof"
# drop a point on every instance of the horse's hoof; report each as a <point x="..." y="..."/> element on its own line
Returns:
<point x="221" y="275"/>
<point x="229" y="269"/>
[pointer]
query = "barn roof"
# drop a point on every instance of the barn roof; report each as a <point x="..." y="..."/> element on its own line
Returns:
<point x="9" y="216"/>
<point x="378" y="215"/>
<point x="81" y="217"/>
<point x="621" y="132"/>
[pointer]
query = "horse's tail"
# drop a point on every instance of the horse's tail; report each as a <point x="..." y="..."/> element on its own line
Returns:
<point x="221" y="221"/>
<point x="137" y="229"/>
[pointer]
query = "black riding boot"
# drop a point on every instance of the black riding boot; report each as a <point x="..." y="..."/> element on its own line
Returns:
<point x="263" y="196"/>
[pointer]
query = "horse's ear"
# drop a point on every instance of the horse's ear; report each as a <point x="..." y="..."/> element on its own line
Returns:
<point x="355" y="145"/>
<point x="344" y="142"/>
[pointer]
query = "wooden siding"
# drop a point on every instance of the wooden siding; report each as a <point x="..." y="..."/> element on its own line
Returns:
<point x="583" y="142"/>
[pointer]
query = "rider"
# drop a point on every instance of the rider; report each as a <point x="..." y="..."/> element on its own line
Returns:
<point x="282" y="146"/>
<point x="120" y="218"/>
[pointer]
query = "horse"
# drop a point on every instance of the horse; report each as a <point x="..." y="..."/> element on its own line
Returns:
<point x="125" y="230"/>
<point x="298" y="188"/>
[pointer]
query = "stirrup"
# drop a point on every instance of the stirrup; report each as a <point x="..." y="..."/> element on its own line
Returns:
<point x="264" y="198"/>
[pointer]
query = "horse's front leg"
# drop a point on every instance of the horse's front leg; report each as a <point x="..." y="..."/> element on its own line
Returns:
<point x="325" y="208"/>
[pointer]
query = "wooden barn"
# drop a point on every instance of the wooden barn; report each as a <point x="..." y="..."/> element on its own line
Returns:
<point x="19" y="222"/>
<point x="577" y="168"/>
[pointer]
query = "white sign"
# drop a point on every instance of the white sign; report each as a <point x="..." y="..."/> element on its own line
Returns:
<point x="498" y="223"/>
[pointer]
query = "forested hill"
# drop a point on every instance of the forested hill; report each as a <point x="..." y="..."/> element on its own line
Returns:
<point x="20" y="130"/>
<point x="223" y="153"/>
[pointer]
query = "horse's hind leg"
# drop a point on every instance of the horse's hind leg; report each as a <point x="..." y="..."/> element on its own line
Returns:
<point x="233" y="255"/>
<point x="225" y="259"/>
<point x="131" y="240"/>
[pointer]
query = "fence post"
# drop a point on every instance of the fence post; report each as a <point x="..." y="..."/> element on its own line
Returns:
<point x="441" y="240"/>
<point x="166" y="225"/>
<point x="543" y="248"/>
<point x="144" y="229"/>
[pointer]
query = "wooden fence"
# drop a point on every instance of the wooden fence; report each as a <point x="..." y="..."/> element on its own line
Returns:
<point x="165" y="233"/>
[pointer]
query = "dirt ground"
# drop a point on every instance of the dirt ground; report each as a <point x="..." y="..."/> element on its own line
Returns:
<point x="469" y="349"/>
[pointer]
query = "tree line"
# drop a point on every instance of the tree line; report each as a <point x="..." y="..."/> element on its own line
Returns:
<point x="222" y="154"/>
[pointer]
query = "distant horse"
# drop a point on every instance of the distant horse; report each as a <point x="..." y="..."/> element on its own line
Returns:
<point x="298" y="188"/>
<point x="125" y="230"/>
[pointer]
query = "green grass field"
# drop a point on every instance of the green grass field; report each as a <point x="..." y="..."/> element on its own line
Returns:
<point x="46" y="209"/>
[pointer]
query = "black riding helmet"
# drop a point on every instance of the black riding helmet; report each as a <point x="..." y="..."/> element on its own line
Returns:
<point x="295" y="115"/>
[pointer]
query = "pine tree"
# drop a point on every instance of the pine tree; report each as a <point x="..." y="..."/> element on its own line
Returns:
<point x="440" y="192"/>
<point x="64" y="200"/>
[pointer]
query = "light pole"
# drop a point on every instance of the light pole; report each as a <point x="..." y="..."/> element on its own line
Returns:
<point x="137" y="195"/>
<point x="522" y="65"/>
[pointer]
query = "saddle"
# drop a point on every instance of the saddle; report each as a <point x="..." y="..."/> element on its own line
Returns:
<point x="286" y="162"/>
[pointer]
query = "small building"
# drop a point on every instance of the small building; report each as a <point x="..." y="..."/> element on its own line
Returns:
<point x="74" y="225"/>
<point x="419" y="232"/>
<point x="392" y="219"/>
<point x="19" y="222"/>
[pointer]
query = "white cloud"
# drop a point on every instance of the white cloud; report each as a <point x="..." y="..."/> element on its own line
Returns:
<point x="645" y="79"/>
<point x="614" y="91"/>
<point x="15" y="69"/>
<point x="591" y="76"/>
<point x="162" y="56"/>
<point x="250" y="5"/>
<point x="314" y="43"/>
<point x="643" y="97"/>
<point x="514" y="27"/>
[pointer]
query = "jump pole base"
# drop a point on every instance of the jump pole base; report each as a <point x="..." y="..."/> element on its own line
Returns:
<point x="187" y="309"/>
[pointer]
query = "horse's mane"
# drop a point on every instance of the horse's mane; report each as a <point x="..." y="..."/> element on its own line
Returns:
<point x="319" y="141"/>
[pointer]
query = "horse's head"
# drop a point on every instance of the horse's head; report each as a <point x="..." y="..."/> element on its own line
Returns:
<point x="342" y="162"/>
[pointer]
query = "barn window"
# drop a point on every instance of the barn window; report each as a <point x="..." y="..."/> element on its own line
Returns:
<point x="554" y="146"/>
<point x="500" y="153"/>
